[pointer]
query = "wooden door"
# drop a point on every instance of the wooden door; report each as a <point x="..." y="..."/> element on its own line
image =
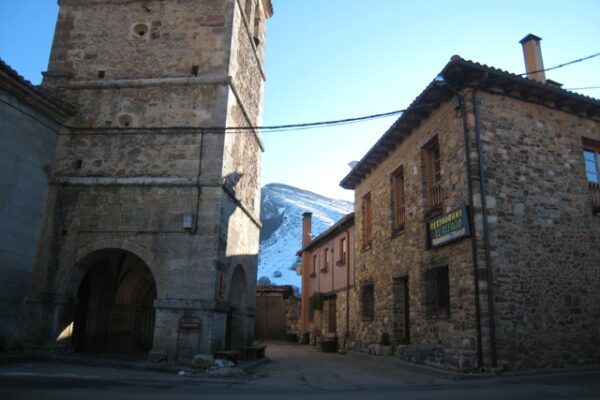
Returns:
<point x="270" y="318"/>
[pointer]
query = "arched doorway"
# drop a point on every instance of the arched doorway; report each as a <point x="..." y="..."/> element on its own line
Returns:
<point x="114" y="310"/>
<point x="238" y="335"/>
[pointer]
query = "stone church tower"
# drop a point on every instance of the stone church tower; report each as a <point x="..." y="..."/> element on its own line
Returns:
<point x="151" y="233"/>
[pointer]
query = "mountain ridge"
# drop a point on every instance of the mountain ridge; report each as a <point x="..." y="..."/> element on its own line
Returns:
<point x="282" y="207"/>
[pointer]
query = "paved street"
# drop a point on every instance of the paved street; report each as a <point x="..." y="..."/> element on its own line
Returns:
<point x="296" y="372"/>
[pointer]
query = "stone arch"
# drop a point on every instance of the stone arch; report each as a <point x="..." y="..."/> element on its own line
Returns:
<point x="160" y="277"/>
<point x="238" y="329"/>
<point x="112" y="293"/>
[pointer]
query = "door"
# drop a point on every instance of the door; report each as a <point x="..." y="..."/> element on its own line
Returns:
<point x="401" y="310"/>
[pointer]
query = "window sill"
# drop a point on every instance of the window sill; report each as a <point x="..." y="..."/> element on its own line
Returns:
<point x="399" y="230"/>
<point x="312" y="275"/>
<point x="340" y="263"/>
<point x="324" y="270"/>
<point x="434" y="212"/>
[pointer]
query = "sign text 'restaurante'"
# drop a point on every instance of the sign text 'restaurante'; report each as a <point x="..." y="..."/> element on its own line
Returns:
<point x="448" y="228"/>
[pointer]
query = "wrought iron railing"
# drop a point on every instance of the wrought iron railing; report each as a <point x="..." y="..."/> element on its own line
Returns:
<point x="435" y="196"/>
<point x="400" y="216"/>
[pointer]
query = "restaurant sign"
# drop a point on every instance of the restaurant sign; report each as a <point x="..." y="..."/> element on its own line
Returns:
<point x="448" y="228"/>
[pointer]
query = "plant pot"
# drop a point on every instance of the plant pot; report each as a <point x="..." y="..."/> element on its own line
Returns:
<point x="291" y="337"/>
<point x="329" y="345"/>
<point x="388" y="350"/>
<point x="305" y="338"/>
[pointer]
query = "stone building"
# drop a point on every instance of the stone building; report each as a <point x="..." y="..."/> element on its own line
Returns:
<point x="327" y="272"/>
<point x="478" y="225"/>
<point x="29" y="126"/>
<point x="150" y="235"/>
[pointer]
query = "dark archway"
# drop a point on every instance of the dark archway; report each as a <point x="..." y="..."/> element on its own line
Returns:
<point x="114" y="311"/>
<point x="237" y="318"/>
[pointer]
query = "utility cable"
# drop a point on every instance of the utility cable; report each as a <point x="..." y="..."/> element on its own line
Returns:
<point x="320" y="124"/>
<point x="561" y="65"/>
<point x="583" y="88"/>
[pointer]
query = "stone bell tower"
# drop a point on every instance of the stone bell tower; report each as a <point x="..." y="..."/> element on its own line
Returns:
<point x="151" y="232"/>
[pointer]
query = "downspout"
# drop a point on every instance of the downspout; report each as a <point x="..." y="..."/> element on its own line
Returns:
<point x="198" y="184"/>
<point x="347" y="288"/>
<point x="463" y="111"/>
<point x="486" y="236"/>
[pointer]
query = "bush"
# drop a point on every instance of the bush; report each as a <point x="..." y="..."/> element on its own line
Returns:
<point x="316" y="301"/>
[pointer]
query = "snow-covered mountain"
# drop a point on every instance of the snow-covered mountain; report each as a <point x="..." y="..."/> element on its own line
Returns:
<point x="281" y="235"/>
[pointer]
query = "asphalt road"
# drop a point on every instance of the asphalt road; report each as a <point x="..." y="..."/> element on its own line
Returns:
<point x="296" y="372"/>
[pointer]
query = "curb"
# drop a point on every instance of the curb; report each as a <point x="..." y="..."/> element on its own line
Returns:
<point x="491" y="373"/>
<point x="14" y="358"/>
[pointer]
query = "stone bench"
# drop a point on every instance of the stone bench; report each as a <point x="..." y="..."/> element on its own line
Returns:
<point x="255" y="352"/>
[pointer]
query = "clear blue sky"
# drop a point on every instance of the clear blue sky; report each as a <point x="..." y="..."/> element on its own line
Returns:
<point x="332" y="59"/>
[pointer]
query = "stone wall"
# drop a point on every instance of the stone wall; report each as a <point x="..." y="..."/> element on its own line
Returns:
<point x="545" y="240"/>
<point x="402" y="255"/>
<point x="150" y="39"/>
<point x="148" y="167"/>
<point x="534" y="237"/>
<point x="29" y="132"/>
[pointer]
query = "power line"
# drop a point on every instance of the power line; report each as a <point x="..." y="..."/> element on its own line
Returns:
<point x="307" y="125"/>
<point x="583" y="88"/>
<point x="561" y="65"/>
<point x="320" y="124"/>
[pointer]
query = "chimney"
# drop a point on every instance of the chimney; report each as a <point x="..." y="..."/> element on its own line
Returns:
<point x="532" y="52"/>
<point x="306" y="228"/>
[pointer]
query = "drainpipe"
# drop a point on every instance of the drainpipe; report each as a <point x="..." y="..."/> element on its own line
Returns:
<point x="463" y="111"/>
<point x="198" y="184"/>
<point x="486" y="236"/>
<point x="347" y="335"/>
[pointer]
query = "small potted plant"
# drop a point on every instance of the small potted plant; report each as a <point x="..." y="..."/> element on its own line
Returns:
<point x="386" y="344"/>
<point x="329" y="344"/>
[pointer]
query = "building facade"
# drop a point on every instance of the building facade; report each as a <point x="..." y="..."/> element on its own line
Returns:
<point x="478" y="232"/>
<point x="327" y="279"/>
<point x="29" y="126"/>
<point x="150" y="237"/>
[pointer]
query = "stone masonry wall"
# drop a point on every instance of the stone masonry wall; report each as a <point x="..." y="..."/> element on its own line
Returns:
<point x="148" y="78"/>
<point x="545" y="241"/>
<point x="174" y="41"/>
<point x="403" y="255"/>
<point x="29" y="139"/>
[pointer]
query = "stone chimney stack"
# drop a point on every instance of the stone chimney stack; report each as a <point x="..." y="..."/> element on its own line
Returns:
<point x="306" y="228"/>
<point x="532" y="51"/>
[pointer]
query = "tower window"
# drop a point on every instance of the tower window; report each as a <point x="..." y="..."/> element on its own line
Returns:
<point x="125" y="120"/>
<point x="140" y="30"/>
<point x="195" y="69"/>
<point x="101" y="74"/>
